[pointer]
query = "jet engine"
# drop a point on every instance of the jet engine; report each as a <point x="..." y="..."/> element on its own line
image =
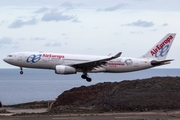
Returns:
<point x="62" y="69"/>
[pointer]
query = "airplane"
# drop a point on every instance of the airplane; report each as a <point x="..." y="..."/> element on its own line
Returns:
<point x="73" y="63"/>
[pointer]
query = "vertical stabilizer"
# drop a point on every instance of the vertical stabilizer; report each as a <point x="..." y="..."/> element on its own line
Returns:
<point x="161" y="49"/>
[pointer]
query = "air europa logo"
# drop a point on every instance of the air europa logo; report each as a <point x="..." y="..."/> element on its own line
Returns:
<point x="33" y="58"/>
<point x="161" y="46"/>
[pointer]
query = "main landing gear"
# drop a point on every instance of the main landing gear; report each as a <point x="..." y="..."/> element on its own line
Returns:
<point x="85" y="76"/>
<point x="21" y="72"/>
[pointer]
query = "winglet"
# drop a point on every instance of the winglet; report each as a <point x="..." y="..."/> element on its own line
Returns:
<point x="117" y="55"/>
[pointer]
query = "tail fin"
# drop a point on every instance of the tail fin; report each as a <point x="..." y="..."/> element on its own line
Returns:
<point x="161" y="49"/>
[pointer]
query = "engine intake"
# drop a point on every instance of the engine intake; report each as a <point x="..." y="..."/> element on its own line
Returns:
<point x="62" y="69"/>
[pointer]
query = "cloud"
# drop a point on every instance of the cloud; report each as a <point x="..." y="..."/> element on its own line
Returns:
<point x="136" y="32"/>
<point x="67" y="4"/>
<point x="75" y="20"/>
<point x="37" y="38"/>
<point x="153" y="30"/>
<point x="70" y="5"/>
<point x="15" y="47"/>
<point x="56" y="16"/>
<point x="53" y="44"/>
<point x="113" y="8"/>
<point x="21" y="38"/>
<point x="64" y="34"/>
<point x="140" y="23"/>
<point x="41" y="10"/>
<point x="20" y="23"/>
<point x="165" y="24"/>
<point x="3" y="21"/>
<point x="5" y="40"/>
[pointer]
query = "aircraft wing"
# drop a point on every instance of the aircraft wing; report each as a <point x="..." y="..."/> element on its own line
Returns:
<point x="89" y="65"/>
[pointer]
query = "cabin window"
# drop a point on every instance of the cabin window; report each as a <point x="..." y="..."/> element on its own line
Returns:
<point x="9" y="55"/>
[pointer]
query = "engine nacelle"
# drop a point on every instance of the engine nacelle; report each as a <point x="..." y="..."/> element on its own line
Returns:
<point x="62" y="69"/>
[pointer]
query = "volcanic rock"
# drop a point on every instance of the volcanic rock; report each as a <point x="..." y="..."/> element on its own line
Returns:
<point x="156" y="93"/>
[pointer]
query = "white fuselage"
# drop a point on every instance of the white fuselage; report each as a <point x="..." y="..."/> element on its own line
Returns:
<point x="42" y="60"/>
<point x="73" y="63"/>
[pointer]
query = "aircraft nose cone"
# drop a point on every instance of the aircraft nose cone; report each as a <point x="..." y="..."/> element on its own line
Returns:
<point x="5" y="60"/>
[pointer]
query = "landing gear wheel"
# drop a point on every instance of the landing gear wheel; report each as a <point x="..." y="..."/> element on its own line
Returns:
<point x="86" y="76"/>
<point x="21" y="72"/>
<point x="83" y="76"/>
<point x="88" y="79"/>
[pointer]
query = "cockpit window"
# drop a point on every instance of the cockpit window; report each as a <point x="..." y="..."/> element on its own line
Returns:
<point x="9" y="56"/>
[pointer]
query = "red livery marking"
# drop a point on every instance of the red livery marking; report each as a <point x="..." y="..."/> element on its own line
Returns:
<point x="159" y="47"/>
<point x="115" y="64"/>
<point x="53" y="56"/>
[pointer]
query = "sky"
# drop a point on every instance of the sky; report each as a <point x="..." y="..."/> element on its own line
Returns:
<point x="91" y="27"/>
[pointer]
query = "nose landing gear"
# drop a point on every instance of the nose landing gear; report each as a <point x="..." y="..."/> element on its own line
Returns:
<point x="21" y="72"/>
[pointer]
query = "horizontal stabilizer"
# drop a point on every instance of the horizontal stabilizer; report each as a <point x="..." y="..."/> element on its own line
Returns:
<point x="163" y="62"/>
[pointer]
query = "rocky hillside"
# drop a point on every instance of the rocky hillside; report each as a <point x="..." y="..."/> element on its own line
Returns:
<point x="31" y="105"/>
<point x="157" y="93"/>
